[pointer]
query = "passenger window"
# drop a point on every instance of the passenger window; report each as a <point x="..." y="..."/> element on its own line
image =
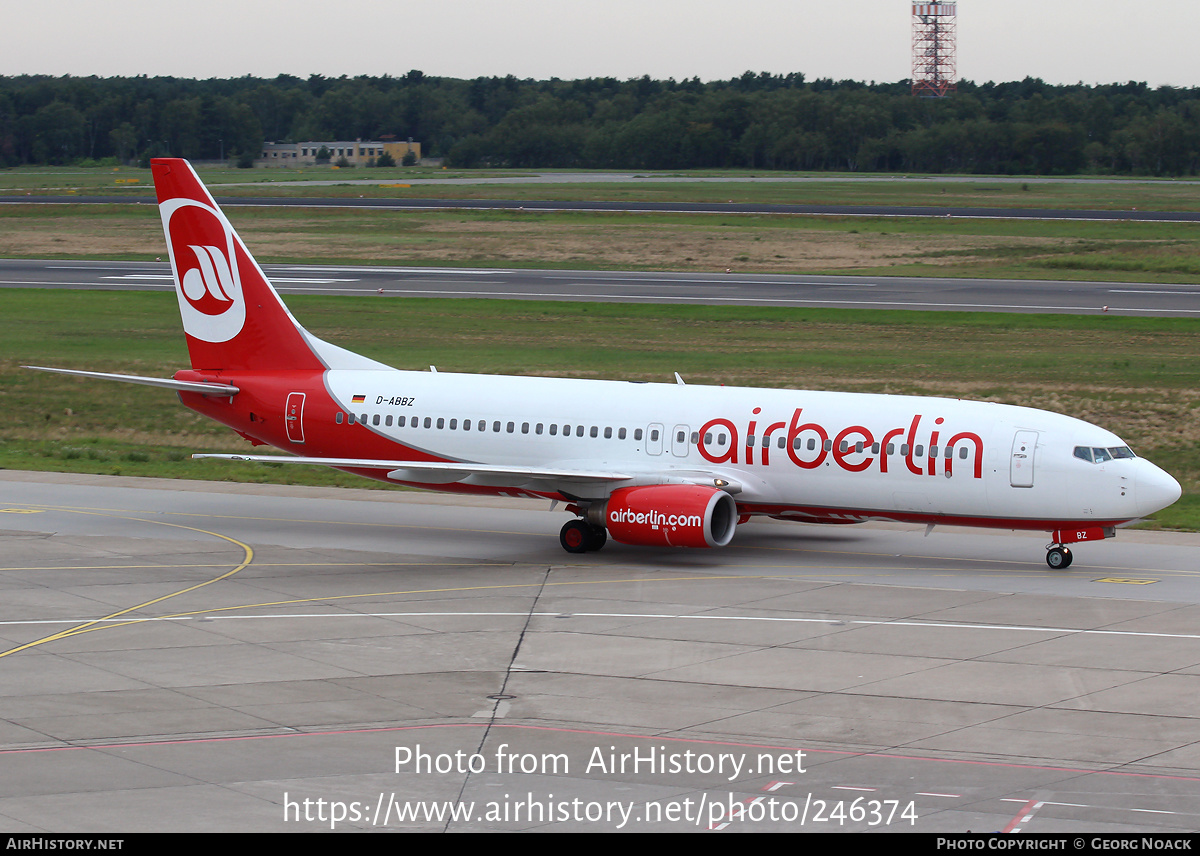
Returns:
<point x="511" y="427"/>
<point x="482" y="426"/>
<point x="453" y="425"/>
<point x="874" y="448"/>
<point x="962" y="453"/>
<point x="539" y="428"/>
<point x="828" y="445"/>
<point x="496" y="427"/>
<point x="920" y="450"/>
<point x="578" y="430"/>
<point x="338" y="418"/>
<point x="637" y="433"/>
<point x="708" y="438"/>
<point x="654" y="436"/>
<point x="553" y="429"/>
<point x="375" y="419"/>
<point x="524" y="427"/>
<point x="845" y="446"/>
<point x="621" y="434"/>
<point x="891" y="448"/>
<point x="466" y="424"/>
<point x="607" y="433"/>
<point x="766" y="444"/>
<point x="595" y="432"/>
<point x="388" y="421"/>
<point x="904" y="448"/>
<point x="933" y="451"/>
<point x="363" y="419"/>
<point x="428" y="422"/>
<point x="441" y="422"/>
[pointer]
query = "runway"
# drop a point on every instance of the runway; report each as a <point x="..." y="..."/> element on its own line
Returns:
<point x="714" y="289"/>
<point x="194" y="656"/>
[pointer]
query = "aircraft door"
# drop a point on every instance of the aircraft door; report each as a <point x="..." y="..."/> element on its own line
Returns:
<point x="654" y="439"/>
<point x="294" y="417"/>
<point x="679" y="441"/>
<point x="1024" y="449"/>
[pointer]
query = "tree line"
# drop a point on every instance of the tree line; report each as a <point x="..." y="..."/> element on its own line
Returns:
<point x="761" y="121"/>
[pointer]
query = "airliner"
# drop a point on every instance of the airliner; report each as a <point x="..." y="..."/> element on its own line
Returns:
<point x="662" y="464"/>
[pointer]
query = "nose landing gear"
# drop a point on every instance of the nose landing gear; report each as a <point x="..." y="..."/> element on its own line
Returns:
<point x="1058" y="557"/>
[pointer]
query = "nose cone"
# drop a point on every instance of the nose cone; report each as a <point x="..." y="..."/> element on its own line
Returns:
<point x="1154" y="489"/>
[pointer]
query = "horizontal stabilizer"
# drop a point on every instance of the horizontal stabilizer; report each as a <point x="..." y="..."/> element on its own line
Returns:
<point x="164" y="382"/>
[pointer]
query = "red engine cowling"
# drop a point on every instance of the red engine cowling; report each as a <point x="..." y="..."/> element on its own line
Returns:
<point x="668" y="515"/>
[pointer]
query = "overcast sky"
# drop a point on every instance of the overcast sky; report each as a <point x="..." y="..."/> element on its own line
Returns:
<point x="1061" y="41"/>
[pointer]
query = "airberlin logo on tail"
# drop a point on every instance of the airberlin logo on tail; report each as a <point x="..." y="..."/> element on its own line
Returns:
<point x="213" y="278"/>
<point x="204" y="257"/>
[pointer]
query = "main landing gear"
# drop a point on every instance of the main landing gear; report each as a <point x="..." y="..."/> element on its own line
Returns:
<point x="579" y="536"/>
<point x="1058" y="557"/>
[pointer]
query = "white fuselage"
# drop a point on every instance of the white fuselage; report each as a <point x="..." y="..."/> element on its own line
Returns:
<point x="650" y="431"/>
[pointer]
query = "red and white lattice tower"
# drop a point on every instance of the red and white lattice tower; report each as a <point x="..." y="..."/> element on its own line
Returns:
<point x="934" y="49"/>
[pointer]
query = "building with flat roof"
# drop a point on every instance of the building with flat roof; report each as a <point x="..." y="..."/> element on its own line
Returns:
<point x="357" y="152"/>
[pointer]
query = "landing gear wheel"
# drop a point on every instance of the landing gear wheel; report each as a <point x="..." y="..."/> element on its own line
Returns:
<point x="597" y="537"/>
<point x="1059" y="558"/>
<point x="575" y="536"/>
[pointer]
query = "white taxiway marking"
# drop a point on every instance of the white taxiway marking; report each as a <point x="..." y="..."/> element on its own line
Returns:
<point x="669" y="616"/>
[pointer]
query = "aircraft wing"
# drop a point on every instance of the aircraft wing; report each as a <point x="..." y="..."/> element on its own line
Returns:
<point x="437" y="472"/>
<point x="499" y="475"/>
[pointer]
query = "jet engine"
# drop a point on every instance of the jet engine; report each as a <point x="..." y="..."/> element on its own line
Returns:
<point x="667" y="515"/>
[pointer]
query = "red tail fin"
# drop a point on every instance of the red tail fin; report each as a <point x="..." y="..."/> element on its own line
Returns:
<point x="232" y="316"/>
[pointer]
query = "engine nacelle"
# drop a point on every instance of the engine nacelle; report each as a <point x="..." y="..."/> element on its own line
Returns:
<point x="668" y="515"/>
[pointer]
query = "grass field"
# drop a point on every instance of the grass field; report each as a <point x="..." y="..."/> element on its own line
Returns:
<point x="1019" y="249"/>
<point x="1139" y="377"/>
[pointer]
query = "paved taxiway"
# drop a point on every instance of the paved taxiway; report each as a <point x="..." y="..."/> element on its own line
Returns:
<point x="195" y="656"/>
<point x="715" y="289"/>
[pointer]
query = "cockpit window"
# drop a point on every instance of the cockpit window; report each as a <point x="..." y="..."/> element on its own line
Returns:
<point x="1099" y="455"/>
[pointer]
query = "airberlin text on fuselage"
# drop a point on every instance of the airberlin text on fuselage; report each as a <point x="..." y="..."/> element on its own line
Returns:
<point x="920" y="452"/>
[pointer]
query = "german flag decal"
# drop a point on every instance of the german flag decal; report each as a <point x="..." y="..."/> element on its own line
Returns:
<point x="359" y="399"/>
